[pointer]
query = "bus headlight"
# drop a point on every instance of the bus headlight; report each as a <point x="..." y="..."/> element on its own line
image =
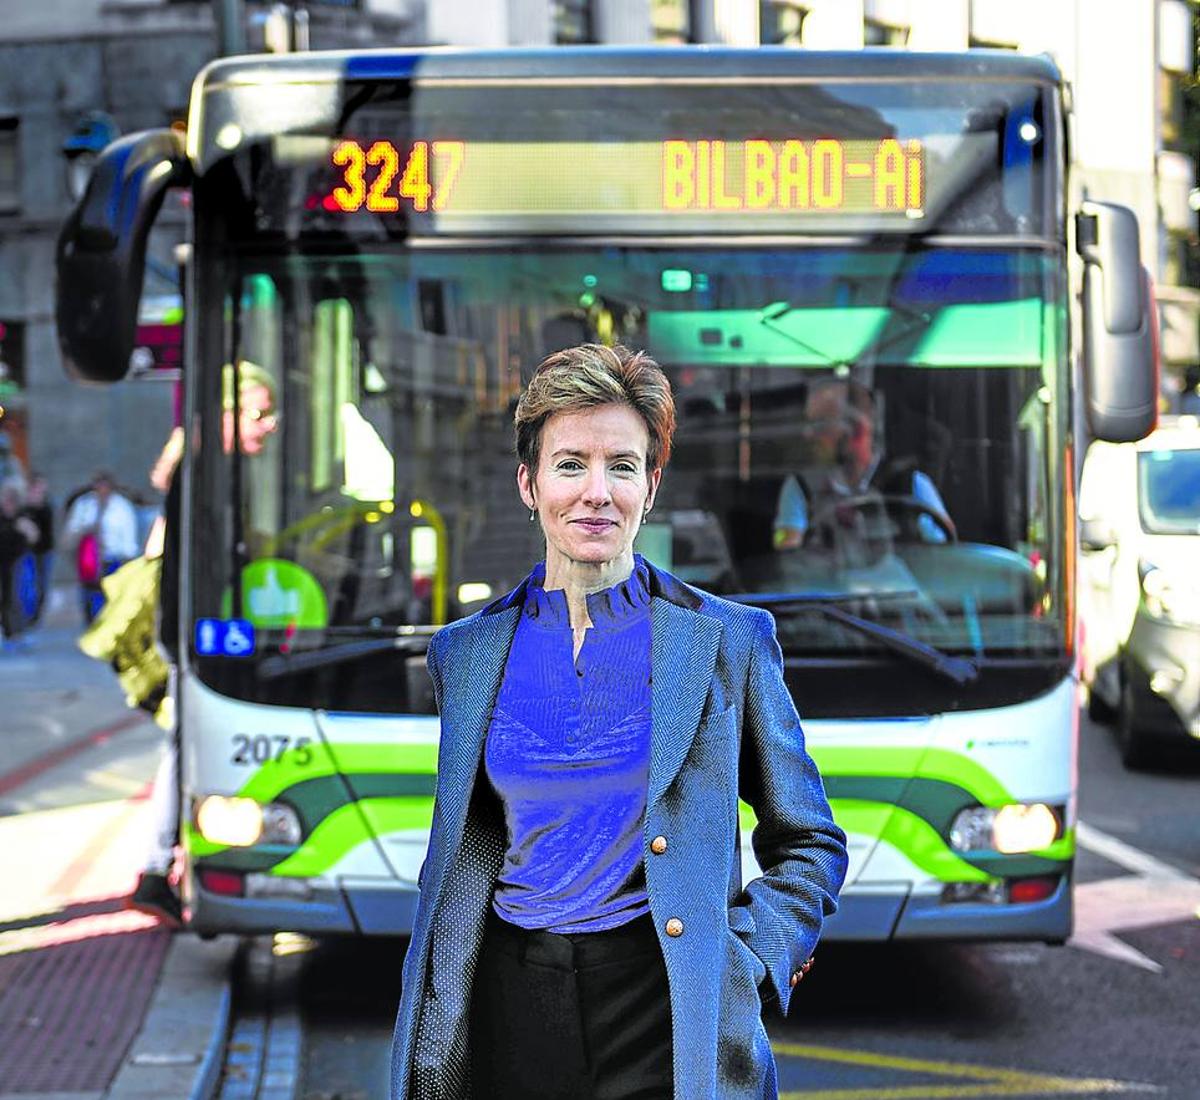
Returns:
<point x="238" y="822"/>
<point x="1017" y="827"/>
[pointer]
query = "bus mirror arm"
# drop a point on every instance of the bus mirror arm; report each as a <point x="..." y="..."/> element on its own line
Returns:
<point x="101" y="255"/>
<point x="1120" y="339"/>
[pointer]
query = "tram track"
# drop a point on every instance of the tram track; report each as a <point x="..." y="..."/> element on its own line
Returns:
<point x="265" y="1047"/>
<point x="311" y="1018"/>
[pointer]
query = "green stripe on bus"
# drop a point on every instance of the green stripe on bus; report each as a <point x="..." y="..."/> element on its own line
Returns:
<point x="315" y="799"/>
<point x="914" y="838"/>
<point x="346" y="828"/>
<point x="317" y="761"/>
<point x="916" y="761"/>
<point x="908" y="833"/>
<point x="907" y="796"/>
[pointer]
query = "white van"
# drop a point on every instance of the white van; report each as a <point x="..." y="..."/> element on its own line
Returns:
<point x="1139" y="586"/>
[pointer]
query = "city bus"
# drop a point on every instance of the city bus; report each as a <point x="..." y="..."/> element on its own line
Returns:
<point x="884" y="323"/>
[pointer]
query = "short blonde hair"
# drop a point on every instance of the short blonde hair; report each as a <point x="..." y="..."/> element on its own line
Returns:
<point x="586" y="377"/>
<point x="249" y="375"/>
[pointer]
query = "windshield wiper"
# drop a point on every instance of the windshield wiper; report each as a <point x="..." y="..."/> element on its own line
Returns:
<point x="286" y="664"/>
<point x="959" y="669"/>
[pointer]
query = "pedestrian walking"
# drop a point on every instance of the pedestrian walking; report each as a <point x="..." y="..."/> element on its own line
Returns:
<point x="583" y="930"/>
<point x="40" y="510"/>
<point x="102" y="526"/>
<point x="17" y="535"/>
<point x="256" y="420"/>
<point x="154" y="892"/>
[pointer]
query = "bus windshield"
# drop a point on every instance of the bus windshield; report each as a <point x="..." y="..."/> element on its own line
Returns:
<point x="876" y="428"/>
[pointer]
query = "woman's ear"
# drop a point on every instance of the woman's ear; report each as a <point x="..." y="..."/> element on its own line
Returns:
<point x="655" y="478"/>
<point x="525" y="486"/>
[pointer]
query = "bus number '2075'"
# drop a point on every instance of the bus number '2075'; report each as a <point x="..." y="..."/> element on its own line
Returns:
<point x="262" y="749"/>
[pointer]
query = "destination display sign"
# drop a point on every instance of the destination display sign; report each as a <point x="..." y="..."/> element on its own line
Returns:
<point x="467" y="184"/>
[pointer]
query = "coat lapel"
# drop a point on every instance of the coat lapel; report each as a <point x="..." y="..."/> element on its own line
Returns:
<point x="683" y="656"/>
<point x="471" y="679"/>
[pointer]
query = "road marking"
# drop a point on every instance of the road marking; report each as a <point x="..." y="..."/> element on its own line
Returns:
<point x="1125" y="855"/>
<point x="10" y="781"/>
<point x="990" y="1080"/>
<point x="1154" y="893"/>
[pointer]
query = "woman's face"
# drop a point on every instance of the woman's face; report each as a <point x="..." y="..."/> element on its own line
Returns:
<point x="591" y="486"/>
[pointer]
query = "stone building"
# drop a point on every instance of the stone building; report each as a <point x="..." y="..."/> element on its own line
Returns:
<point x="71" y="71"/>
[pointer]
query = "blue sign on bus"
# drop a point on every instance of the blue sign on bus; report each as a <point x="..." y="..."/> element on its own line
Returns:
<point x="224" y="637"/>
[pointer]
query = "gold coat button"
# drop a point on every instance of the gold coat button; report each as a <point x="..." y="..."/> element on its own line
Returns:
<point x="658" y="845"/>
<point x="675" y="927"/>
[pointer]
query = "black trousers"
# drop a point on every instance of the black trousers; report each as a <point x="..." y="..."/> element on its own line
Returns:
<point x="571" y="1017"/>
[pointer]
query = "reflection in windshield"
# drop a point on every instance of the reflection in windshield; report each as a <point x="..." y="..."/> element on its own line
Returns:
<point x="1169" y="492"/>
<point x="874" y="423"/>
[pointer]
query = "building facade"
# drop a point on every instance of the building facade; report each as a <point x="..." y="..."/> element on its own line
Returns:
<point x="75" y="71"/>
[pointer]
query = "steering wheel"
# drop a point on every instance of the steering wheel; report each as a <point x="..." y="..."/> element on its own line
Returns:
<point x="907" y="503"/>
<point x="825" y="519"/>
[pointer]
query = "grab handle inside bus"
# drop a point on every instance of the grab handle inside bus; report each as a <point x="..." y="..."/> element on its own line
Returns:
<point x="1119" y="338"/>
<point x="101" y="256"/>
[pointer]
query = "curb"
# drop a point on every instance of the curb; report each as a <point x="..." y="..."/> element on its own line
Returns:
<point x="179" y="1052"/>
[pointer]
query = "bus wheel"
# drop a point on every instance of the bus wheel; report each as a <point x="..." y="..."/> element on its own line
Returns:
<point x="1135" y="753"/>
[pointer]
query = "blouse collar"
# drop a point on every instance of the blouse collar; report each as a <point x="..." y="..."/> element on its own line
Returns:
<point x="609" y="608"/>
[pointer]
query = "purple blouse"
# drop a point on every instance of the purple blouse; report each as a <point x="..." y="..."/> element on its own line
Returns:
<point x="568" y="752"/>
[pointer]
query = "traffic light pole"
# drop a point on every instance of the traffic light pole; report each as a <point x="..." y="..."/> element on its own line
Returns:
<point x="230" y="17"/>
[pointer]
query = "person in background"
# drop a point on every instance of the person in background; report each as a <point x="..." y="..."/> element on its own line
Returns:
<point x="12" y="470"/>
<point x="17" y="534"/>
<point x="154" y="892"/>
<point x="40" y="510"/>
<point x="842" y="471"/>
<point x="102" y="526"/>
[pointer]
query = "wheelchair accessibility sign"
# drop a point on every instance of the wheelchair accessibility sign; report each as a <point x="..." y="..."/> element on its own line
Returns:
<point x="224" y="637"/>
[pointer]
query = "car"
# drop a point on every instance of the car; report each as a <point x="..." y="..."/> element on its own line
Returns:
<point x="1139" y="587"/>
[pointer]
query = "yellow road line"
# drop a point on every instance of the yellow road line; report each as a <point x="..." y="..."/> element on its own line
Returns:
<point x="991" y="1081"/>
<point x="961" y="1092"/>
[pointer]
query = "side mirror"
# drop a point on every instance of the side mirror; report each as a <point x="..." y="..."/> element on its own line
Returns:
<point x="1120" y="341"/>
<point x="101" y="257"/>
<point x="1095" y="534"/>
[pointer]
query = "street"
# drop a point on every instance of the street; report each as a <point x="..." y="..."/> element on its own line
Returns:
<point x="883" y="1022"/>
<point x="1114" y="1013"/>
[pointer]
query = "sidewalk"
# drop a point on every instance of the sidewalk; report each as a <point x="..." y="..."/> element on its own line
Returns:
<point x="95" y="1000"/>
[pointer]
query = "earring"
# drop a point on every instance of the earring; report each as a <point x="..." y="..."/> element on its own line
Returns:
<point x="532" y="514"/>
<point x="647" y="511"/>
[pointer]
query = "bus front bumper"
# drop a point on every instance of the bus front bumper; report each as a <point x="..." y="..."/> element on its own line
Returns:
<point x="875" y="914"/>
<point x="878" y="914"/>
<point x="353" y="907"/>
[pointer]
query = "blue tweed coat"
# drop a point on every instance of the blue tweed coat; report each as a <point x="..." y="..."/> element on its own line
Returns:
<point x="722" y="726"/>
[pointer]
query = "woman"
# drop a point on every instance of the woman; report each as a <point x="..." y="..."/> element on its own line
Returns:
<point x="582" y="930"/>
